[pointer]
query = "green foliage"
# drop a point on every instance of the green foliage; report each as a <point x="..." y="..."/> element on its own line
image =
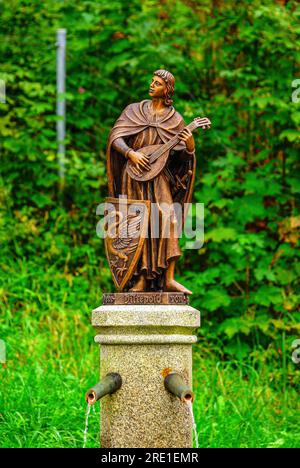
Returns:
<point x="234" y="62"/>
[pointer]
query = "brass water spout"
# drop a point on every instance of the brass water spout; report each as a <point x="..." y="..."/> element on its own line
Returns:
<point x="176" y="384"/>
<point x="108" y="385"/>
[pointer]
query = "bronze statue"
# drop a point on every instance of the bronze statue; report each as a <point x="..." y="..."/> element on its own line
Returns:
<point x="150" y="161"/>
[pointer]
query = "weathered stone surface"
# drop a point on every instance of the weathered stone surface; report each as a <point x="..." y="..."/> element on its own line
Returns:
<point x="147" y="315"/>
<point x="143" y="344"/>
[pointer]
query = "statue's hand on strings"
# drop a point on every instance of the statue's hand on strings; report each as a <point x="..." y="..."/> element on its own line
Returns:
<point x="140" y="161"/>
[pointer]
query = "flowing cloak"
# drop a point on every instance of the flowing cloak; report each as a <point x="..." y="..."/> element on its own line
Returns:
<point x="138" y="127"/>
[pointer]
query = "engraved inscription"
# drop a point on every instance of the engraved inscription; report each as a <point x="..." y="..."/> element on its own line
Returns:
<point x="178" y="299"/>
<point x="109" y="298"/>
<point x="154" y="298"/>
<point x="145" y="298"/>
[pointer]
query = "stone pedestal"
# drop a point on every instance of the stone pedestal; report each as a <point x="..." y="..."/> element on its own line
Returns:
<point x="143" y="343"/>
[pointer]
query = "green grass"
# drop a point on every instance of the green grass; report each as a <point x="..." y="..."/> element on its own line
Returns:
<point x="238" y="406"/>
<point x="52" y="359"/>
<point x="44" y="406"/>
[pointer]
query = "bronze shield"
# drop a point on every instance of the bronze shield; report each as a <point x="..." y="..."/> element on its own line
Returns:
<point x="126" y="226"/>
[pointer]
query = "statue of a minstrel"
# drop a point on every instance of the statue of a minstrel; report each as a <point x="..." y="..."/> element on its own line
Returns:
<point x="150" y="163"/>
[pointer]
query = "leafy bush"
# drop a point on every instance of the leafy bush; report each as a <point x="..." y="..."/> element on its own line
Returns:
<point x="234" y="62"/>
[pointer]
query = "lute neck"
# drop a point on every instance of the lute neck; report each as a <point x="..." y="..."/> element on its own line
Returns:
<point x="173" y="142"/>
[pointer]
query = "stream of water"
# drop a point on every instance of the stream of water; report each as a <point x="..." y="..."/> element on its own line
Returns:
<point x="190" y="407"/>
<point x="86" y="424"/>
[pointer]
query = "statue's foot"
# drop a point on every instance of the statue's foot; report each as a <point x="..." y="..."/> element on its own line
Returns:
<point x="174" y="286"/>
<point x="139" y="286"/>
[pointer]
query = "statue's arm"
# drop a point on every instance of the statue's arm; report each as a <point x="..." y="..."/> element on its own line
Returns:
<point x="187" y="138"/>
<point x="121" y="146"/>
<point x="138" y="159"/>
<point x="190" y="146"/>
<point x="186" y="153"/>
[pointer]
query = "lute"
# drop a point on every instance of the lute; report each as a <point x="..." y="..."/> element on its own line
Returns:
<point x="158" y="154"/>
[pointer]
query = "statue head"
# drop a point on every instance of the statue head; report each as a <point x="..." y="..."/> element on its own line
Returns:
<point x="162" y="85"/>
